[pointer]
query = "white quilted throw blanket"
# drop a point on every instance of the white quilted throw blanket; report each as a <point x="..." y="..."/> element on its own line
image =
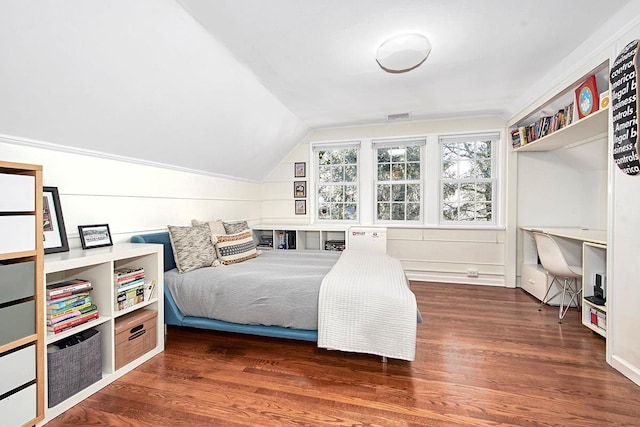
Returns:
<point x="366" y="306"/>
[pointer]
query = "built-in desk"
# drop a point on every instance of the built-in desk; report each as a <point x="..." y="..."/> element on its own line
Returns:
<point x="581" y="246"/>
<point x="574" y="233"/>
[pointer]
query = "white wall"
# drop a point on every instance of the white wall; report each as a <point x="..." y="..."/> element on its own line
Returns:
<point x="131" y="197"/>
<point x="140" y="79"/>
<point x="427" y="252"/>
<point x="564" y="188"/>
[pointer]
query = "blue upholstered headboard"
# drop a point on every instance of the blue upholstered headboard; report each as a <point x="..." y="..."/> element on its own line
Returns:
<point x="161" y="237"/>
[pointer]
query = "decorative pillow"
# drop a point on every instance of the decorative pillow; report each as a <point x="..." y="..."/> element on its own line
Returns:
<point x="234" y="248"/>
<point x="192" y="247"/>
<point x="235" y="227"/>
<point x="216" y="226"/>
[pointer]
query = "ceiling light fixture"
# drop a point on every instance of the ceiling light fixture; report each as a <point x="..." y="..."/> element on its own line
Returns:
<point x="403" y="52"/>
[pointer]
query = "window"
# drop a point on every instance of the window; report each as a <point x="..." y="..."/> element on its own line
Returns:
<point x="468" y="180"/>
<point x="398" y="183"/>
<point x="337" y="181"/>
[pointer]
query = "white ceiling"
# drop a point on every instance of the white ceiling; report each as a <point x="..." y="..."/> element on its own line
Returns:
<point x="318" y="57"/>
<point x="229" y="87"/>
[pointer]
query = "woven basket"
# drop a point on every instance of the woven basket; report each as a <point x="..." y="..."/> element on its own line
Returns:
<point x="74" y="368"/>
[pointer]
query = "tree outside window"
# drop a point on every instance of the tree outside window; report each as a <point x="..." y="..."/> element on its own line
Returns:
<point x="337" y="188"/>
<point x="468" y="182"/>
<point x="398" y="182"/>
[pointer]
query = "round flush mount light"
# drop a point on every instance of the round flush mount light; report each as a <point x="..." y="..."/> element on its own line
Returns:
<point x="403" y="52"/>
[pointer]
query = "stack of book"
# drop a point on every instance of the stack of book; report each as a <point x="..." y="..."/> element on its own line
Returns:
<point x="69" y="304"/>
<point x="542" y="127"/>
<point x="129" y="286"/>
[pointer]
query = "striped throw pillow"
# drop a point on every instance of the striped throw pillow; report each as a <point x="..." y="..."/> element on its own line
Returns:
<point x="234" y="248"/>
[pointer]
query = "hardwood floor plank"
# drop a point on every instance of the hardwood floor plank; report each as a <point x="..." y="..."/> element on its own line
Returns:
<point x="485" y="356"/>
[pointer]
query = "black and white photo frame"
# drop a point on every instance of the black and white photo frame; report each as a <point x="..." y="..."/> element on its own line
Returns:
<point x="299" y="189"/>
<point x="300" y="169"/>
<point x="95" y="236"/>
<point x="53" y="229"/>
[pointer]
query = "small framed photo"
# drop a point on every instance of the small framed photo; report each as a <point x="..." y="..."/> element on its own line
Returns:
<point x="95" y="236"/>
<point x="299" y="169"/>
<point x="301" y="207"/>
<point x="55" y="234"/>
<point x="300" y="189"/>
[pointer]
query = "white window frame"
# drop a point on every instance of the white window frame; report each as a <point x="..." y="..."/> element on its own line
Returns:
<point x="420" y="142"/>
<point x="495" y="139"/>
<point x="321" y="146"/>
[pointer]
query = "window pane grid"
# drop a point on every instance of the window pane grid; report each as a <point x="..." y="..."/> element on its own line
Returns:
<point x="337" y="189"/>
<point x="398" y="183"/>
<point x="467" y="181"/>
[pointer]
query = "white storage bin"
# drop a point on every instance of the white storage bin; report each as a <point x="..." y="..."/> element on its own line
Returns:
<point x="18" y="233"/>
<point x="17" y="368"/>
<point x="20" y="407"/>
<point x="17" y="193"/>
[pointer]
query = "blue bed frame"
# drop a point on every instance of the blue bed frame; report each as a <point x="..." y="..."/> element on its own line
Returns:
<point x="173" y="316"/>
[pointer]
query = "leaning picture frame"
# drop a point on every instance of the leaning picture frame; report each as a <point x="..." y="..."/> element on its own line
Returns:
<point x="53" y="229"/>
<point x="95" y="236"/>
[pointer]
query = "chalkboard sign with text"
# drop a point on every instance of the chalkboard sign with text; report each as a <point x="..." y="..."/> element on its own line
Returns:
<point x="624" y="97"/>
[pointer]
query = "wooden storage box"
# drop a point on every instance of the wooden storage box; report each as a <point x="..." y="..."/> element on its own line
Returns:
<point x="135" y="335"/>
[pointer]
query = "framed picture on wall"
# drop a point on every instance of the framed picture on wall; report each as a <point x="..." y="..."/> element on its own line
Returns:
<point x="95" y="236"/>
<point x="299" y="169"/>
<point x="301" y="207"/>
<point x="300" y="189"/>
<point x="54" y="232"/>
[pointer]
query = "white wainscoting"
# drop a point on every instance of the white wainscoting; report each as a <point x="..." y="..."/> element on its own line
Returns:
<point x="446" y="255"/>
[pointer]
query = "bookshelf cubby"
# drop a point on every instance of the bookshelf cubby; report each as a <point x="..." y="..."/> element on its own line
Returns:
<point x="97" y="266"/>
<point x="306" y="237"/>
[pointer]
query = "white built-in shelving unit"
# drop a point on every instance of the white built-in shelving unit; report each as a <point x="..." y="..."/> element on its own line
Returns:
<point x="97" y="266"/>
<point x="577" y="242"/>
<point x="307" y="237"/>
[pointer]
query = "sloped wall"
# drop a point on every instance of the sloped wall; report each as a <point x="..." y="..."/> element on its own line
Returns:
<point x="134" y="198"/>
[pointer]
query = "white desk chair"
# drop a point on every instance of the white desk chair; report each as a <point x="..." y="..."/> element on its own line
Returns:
<point x="554" y="261"/>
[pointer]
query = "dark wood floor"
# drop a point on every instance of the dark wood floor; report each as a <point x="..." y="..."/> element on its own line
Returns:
<point x="485" y="357"/>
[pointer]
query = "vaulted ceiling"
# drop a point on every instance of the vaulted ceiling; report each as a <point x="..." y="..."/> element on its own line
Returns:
<point x="229" y="87"/>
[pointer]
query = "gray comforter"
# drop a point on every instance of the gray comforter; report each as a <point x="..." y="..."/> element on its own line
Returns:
<point x="276" y="288"/>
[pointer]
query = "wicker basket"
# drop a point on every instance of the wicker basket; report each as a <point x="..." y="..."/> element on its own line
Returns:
<point x="74" y="368"/>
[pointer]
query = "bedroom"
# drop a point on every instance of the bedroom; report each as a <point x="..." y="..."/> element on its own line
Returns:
<point x="105" y="92"/>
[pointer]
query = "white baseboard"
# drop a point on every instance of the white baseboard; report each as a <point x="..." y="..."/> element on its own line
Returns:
<point x="441" y="277"/>
<point x="627" y="369"/>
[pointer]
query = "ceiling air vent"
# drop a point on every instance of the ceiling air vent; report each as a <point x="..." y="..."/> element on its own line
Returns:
<point x="396" y="117"/>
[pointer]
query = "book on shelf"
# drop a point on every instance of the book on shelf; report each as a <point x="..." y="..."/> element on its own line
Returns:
<point x="81" y="303"/>
<point x="66" y="302"/>
<point x="87" y="308"/>
<point x="545" y="125"/>
<point x="125" y="274"/>
<point x="129" y="285"/>
<point x="129" y="297"/>
<point x="67" y="286"/>
<point x="150" y="290"/>
<point x="79" y="320"/>
<point x="68" y="294"/>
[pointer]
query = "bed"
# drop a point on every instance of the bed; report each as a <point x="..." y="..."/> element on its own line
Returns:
<point x="360" y="302"/>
